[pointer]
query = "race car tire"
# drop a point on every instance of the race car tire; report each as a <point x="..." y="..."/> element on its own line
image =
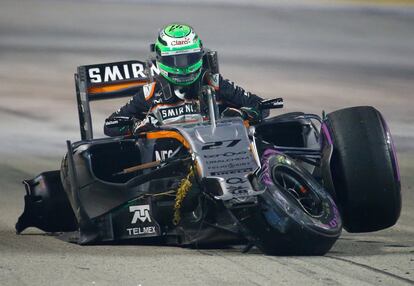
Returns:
<point x="364" y="169"/>
<point x="286" y="222"/>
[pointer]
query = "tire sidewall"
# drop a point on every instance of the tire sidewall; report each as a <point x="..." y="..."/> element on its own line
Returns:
<point x="328" y="223"/>
<point x="364" y="169"/>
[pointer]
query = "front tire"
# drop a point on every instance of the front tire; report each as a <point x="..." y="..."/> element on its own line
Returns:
<point x="295" y="215"/>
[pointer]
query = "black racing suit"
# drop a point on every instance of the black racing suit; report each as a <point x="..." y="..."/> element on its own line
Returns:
<point x="160" y="98"/>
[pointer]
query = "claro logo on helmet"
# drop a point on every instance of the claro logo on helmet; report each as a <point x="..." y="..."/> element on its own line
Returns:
<point x="185" y="41"/>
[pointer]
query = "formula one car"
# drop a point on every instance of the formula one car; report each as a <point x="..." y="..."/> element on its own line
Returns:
<point x="286" y="184"/>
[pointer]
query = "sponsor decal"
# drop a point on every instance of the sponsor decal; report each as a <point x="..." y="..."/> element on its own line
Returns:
<point x="141" y="213"/>
<point x="134" y="220"/>
<point x="220" y="144"/>
<point x="119" y="71"/>
<point x="228" y="160"/>
<point x="229" y="172"/>
<point x="162" y="154"/>
<point x="238" y="191"/>
<point x="187" y="108"/>
<point x="142" y="224"/>
<point x="116" y="72"/>
<point x="164" y="148"/>
<point x="154" y="70"/>
<point x="169" y="53"/>
<point x="147" y="90"/>
<point x="336" y="218"/>
<point x="227" y="166"/>
<point x="238" y="187"/>
<point x="141" y="230"/>
<point x="184" y="41"/>
<point x="227" y="154"/>
<point x="111" y="123"/>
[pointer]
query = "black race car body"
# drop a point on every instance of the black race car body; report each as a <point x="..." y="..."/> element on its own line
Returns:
<point x="287" y="184"/>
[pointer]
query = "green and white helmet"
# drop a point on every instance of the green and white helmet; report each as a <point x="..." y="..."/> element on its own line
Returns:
<point x="179" y="54"/>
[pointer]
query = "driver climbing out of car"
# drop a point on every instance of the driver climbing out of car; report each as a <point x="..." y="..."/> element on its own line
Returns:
<point x="173" y="95"/>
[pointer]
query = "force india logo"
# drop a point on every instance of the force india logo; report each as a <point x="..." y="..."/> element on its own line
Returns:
<point x="140" y="213"/>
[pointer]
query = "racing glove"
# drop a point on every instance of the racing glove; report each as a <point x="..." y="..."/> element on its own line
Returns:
<point x="119" y="125"/>
<point x="251" y="114"/>
<point x="141" y="127"/>
<point x="146" y="125"/>
<point x="232" y="112"/>
<point x="246" y="113"/>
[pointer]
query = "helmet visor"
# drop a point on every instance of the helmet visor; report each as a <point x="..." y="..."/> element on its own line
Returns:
<point x="182" y="60"/>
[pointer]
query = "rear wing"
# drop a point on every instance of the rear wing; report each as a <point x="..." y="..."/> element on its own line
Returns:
<point x="107" y="81"/>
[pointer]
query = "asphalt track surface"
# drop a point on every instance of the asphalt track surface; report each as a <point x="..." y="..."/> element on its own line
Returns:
<point x="317" y="57"/>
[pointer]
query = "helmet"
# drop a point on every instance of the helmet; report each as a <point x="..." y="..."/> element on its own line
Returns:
<point x="179" y="54"/>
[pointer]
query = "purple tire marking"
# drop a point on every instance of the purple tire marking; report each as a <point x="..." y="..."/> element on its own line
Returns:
<point x="327" y="134"/>
<point x="335" y="220"/>
<point x="265" y="166"/>
<point x="269" y="152"/>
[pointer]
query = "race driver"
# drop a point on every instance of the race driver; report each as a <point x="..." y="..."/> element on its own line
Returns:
<point x="173" y="95"/>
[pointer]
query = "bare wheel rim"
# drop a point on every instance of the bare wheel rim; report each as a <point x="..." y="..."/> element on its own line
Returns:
<point x="295" y="186"/>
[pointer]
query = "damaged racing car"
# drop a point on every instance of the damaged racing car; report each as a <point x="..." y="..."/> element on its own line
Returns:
<point x="286" y="184"/>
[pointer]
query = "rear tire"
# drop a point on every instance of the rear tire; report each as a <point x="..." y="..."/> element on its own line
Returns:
<point x="285" y="223"/>
<point x="364" y="169"/>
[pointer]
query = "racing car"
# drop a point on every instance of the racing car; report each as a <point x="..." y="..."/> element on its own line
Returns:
<point x="286" y="184"/>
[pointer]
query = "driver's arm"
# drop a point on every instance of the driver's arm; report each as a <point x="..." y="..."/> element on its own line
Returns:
<point x="232" y="95"/>
<point x="121" y="121"/>
<point x="235" y="96"/>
